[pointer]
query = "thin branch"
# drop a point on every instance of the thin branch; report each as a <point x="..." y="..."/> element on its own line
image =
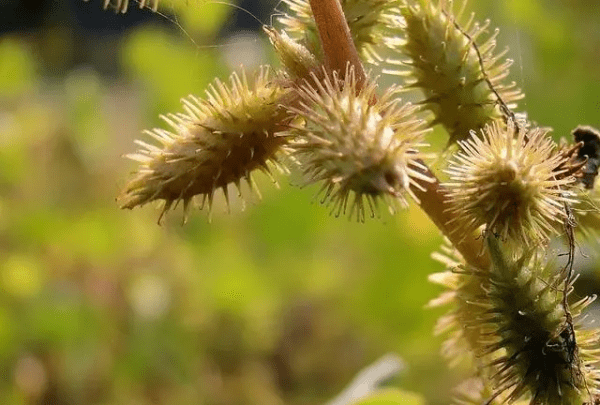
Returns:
<point x="434" y="202"/>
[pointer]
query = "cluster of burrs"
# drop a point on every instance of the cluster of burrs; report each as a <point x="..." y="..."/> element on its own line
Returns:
<point x="361" y="146"/>
<point x="508" y="188"/>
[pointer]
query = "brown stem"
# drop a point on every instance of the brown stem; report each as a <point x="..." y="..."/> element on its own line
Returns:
<point x="339" y="50"/>
<point x="435" y="204"/>
<point x="336" y="40"/>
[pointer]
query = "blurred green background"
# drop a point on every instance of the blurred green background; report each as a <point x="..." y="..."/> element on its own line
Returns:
<point x="278" y="304"/>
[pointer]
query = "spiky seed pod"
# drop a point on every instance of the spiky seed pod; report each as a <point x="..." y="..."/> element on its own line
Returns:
<point x="356" y="145"/>
<point x="367" y="20"/>
<point x="216" y="142"/>
<point x="475" y="391"/>
<point x="462" y="79"/>
<point x="507" y="180"/>
<point x="511" y="317"/>
<point x="464" y="285"/>
<point x="456" y="348"/>
<point x="543" y="351"/>
<point x="469" y="392"/>
<point x="298" y="61"/>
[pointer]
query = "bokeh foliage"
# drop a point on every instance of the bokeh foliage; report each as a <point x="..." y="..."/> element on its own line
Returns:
<point x="280" y="303"/>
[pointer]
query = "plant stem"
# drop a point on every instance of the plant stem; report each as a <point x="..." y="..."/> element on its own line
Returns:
<point x="340" y="51"/>
<point x="435" y="204"/>
<point x="336" y="39"/>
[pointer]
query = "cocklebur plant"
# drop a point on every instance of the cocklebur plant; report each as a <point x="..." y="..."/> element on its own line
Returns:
<point x="355" y="145"/>
<point x="509" y="180"/>
<point x="368" y="22"/>
<point x="217" y="141"/>
<point x="509" y="187"/>
<point x="464" y="85"/>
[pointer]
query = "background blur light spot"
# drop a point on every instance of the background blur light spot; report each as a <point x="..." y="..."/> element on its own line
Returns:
<point x="21" y="276"/>
<point x="150" y="296"/>
<point x="244" y="49"/>
<point x="30" y="375"/>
